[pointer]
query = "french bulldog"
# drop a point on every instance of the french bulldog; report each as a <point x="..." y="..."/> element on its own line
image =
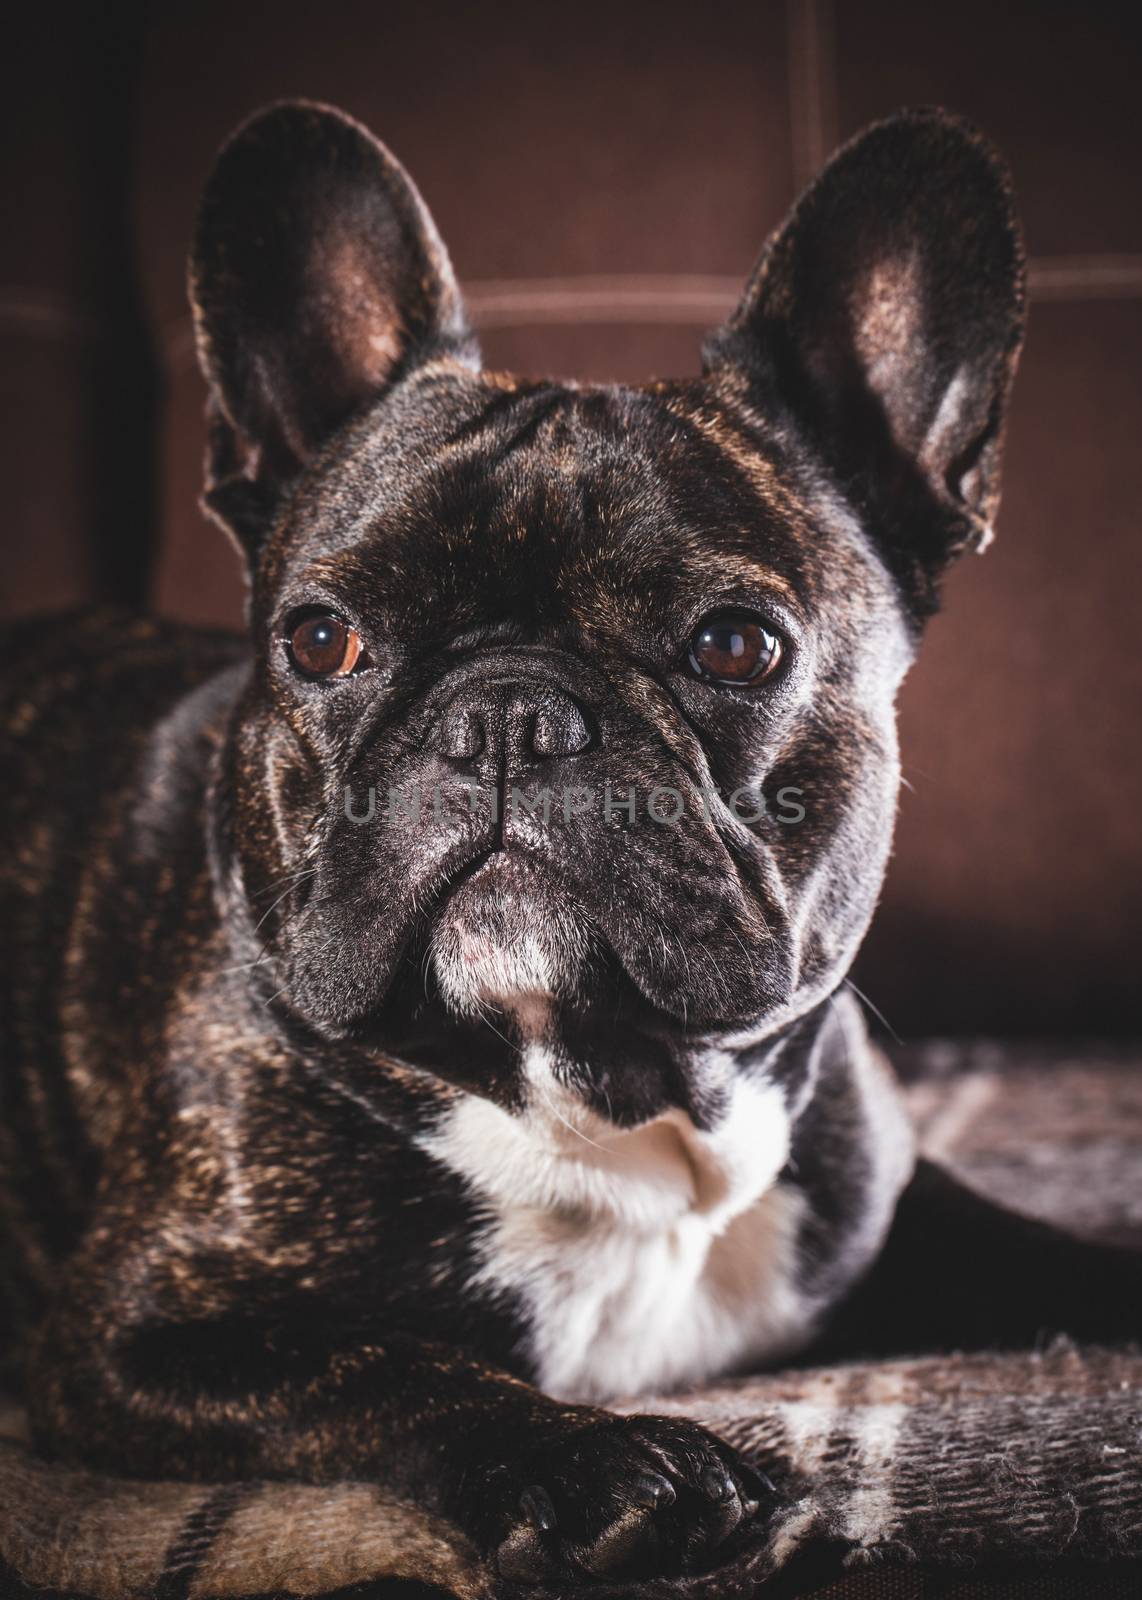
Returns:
<point x="426" y="1017"/>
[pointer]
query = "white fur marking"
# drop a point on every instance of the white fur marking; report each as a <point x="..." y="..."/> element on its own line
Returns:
<point x="646" y="1257"/>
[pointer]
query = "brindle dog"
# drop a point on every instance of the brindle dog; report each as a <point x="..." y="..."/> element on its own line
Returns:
<point x="426" y="1017"/>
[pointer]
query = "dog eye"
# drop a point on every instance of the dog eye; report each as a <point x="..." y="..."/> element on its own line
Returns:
<point x="734" y="647"/>
<point x="321" y="645"/>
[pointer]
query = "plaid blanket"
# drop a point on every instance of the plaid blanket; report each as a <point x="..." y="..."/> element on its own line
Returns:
<point x="894" y="1470"/>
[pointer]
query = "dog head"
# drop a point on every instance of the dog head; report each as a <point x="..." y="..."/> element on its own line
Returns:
<point x="572" y="713"/>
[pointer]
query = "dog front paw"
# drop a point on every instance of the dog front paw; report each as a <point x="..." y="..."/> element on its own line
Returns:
<point x="618" y="1497"/>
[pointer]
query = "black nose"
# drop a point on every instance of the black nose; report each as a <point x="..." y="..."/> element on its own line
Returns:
<point x="557" y="725"/>
<point x="501" y="720"/>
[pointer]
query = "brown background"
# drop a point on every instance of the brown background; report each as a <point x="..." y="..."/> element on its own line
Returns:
<point x="604" y="176"/>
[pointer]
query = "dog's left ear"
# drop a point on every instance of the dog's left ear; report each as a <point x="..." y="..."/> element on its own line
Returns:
<point x="317" y="280"/>
<point x="886" y="315"/>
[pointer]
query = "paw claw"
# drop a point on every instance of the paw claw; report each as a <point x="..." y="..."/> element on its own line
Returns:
<point x="718" y="1486"/>
<point x="717" y="1483"/>
<point x="653" y="1491"/>
<point x="535" y="1503"/>
<point x="758" y="1484"/>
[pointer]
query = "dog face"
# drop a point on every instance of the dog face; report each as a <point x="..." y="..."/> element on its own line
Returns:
<point x="572" y="718"/>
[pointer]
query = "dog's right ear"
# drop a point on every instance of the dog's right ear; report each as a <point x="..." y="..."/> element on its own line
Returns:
<point x="317" y="280"/>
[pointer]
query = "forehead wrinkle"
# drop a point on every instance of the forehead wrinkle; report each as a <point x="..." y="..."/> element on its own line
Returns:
<point x="629" y="423"/>
<point x="374" y="467"/>
<point x="456" y="494"/>
<point x="652" y="517"/>
<point x="510" y="458"/>
<point x="737" y="447"/>
<point x="494" y="432"/>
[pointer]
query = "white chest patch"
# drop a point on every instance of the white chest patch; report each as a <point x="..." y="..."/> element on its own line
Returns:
<point x="645" y="1258"/>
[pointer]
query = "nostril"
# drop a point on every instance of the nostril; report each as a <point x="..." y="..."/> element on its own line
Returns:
<point x="462" y="732"/>
<point x="559" y="727"/>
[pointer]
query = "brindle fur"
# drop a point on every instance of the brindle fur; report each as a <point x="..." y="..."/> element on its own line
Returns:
<point x="225" y="1251"/>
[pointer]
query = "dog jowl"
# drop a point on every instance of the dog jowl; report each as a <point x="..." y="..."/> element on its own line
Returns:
<point x="536" y="1085"/>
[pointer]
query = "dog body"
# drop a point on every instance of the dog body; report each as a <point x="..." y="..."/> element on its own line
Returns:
<point x="436" y="1012"/>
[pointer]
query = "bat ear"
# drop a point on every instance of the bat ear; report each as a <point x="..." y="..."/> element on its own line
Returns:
<point x="886" y="316"/>
<point x="317" y="279"/>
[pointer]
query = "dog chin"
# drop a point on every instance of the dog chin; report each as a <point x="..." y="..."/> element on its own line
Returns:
<point x="505" y="941"/>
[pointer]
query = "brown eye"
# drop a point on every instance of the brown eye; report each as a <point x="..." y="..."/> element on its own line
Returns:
<point x="734" y="648"/>
<point x="322" y="646"/>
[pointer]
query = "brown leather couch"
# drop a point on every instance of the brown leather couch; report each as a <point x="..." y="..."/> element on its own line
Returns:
<point x="604" y="175"/>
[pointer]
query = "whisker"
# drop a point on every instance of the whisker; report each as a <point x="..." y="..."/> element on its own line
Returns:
<point x="290" y="879"/>
<point x="877" y="1013"/>
<point x="570" y="1126"/>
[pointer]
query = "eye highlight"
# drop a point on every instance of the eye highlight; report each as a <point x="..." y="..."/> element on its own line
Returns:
<point x="734" y="647"/>
<point x="320" y="644"/>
